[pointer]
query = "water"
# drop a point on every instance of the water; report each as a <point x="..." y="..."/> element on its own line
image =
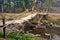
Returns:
<point x="55" y="32"/>
<point x="56" y="37"/>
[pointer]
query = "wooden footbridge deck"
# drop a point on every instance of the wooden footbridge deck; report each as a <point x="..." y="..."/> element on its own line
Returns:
<point x="20" y="20"/>
<point x="24" y="19"/>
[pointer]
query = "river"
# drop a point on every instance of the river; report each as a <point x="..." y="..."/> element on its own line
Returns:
<point x="55" y="31"/>
<point x="56" y="37"/>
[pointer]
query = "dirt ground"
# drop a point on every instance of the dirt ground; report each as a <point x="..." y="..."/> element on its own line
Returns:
<point x="2" y="39"/>
<point x="6" y="39"/>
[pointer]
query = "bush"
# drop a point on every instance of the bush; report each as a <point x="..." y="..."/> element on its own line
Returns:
<point x="1" y="33"/>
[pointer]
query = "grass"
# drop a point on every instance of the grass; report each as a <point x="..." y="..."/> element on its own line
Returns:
<point x="13" y="35"/>
<point x="54" y="21"/>
<point x="1" y="33"/>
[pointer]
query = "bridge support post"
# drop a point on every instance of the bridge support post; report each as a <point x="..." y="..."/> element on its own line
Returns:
<point x="4" y="28"/>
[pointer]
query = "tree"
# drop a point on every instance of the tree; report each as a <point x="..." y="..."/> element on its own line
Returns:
<point x="1" y="3"/>
<point x="42" y="2"/>
<point x="27" y="4"/>
<point x="49" y="4"/>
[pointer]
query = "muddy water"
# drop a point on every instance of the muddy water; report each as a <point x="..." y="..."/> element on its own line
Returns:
<point x="55" y="33"/>
<point x="56" y="37"/>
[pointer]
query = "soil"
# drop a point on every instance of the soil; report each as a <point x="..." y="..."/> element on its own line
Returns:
<point x="6" y="39"/>
<point x="2" y="39"/>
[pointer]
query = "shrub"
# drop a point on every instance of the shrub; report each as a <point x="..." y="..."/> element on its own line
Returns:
<point x="1" y="33"/>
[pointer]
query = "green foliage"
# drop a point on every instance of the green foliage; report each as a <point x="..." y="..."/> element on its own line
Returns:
<point x="54" y="21"/>
<point x="11" y="35"/>
<point x="23" y="4"/>
<point x="49" y="3"/>
<point x="27" y="3"/>
<point x="20" y="36"/>
<point x="1" y="33"/>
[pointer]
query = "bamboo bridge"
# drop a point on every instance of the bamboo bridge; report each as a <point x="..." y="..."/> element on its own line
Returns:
<point x="27" y="18"/>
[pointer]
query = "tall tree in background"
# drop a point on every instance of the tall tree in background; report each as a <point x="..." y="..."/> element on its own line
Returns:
<point x="1" y="5"/>
<point x="27" y="3"/>
<point x="19" y="5"/>
<point x="42" y="2"/>
<point x="9" y="6"/>
<point x="49" y="4"/>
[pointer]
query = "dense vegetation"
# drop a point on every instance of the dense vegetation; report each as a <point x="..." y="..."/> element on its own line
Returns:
<point x="22" y="5"/>
<point x="13" y="35"/>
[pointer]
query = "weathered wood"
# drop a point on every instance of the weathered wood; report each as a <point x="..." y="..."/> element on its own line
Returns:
<point x="20" y="20"/>
<point x="4" y="28"/>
